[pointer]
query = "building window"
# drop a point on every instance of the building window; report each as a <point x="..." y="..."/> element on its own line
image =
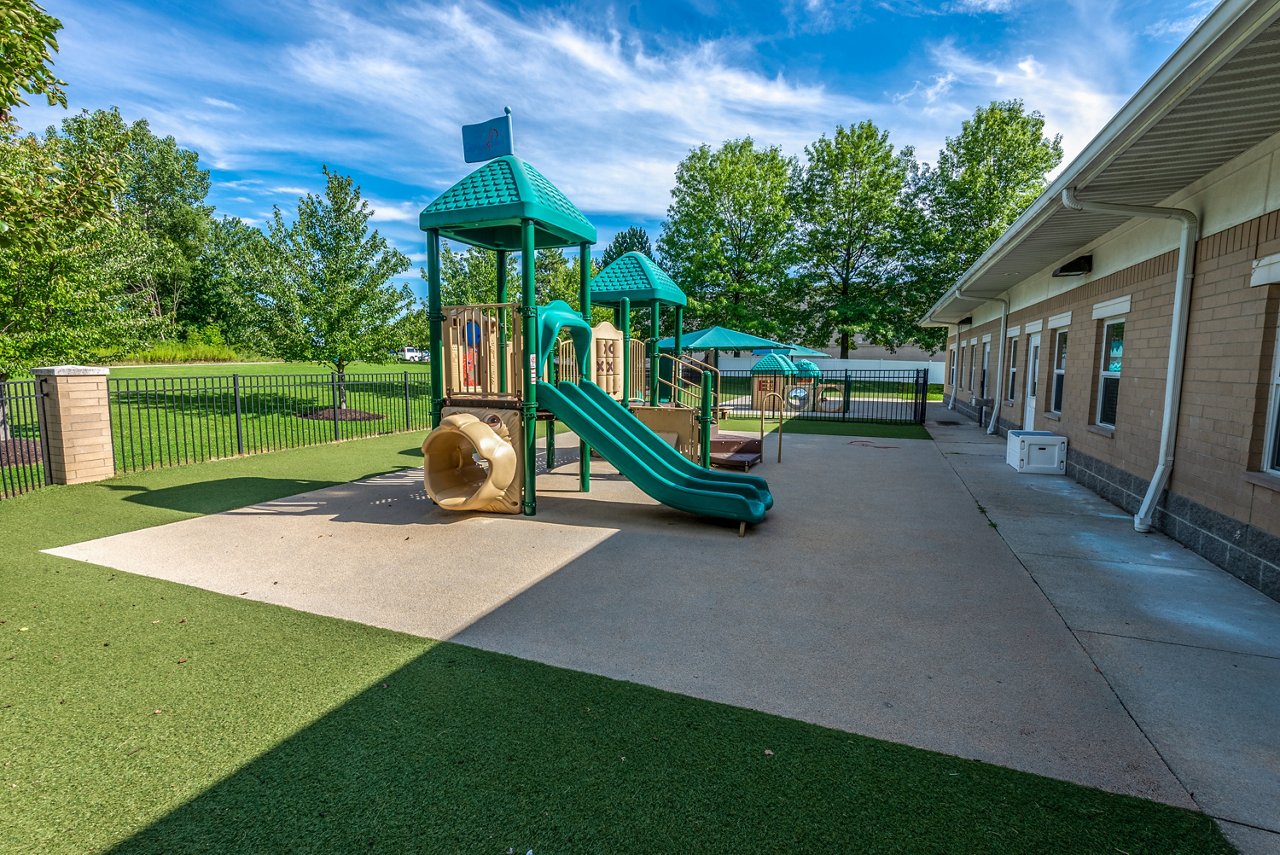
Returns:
<point x="1109" y="375"/>
<point x="973" y="363"/>
<point x="1059" y="370"/>
<point x="1013" y="369"/>
<point x="951" y="370"/>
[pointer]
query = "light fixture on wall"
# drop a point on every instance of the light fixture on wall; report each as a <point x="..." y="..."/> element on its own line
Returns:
<point x="1078" y="266"/>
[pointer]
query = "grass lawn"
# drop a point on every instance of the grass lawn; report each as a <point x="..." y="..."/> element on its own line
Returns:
<point x="138" y="715"/>
<point x="825" y="427"/>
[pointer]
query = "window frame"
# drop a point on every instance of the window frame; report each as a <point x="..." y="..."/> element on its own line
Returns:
<point x="986" y="370"/>
<point x="1058" y="391"/>
<point x="951" y="369"/>
<point x="1104" y="374"/>
<point x="1012" y="388"/>
<point x="1271" y="444"/>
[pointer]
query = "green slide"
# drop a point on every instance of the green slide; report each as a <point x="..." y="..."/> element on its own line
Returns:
<point x="651" y="464"/>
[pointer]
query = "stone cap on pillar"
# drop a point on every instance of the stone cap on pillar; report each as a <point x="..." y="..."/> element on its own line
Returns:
<point x="70" y="371"/>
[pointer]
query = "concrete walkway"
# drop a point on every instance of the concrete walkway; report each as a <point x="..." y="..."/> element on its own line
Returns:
<point x="876" y="598"/>
<point x="1191" y="652"/>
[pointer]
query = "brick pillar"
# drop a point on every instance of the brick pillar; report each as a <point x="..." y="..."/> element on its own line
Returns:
<point x="75" y="424"/>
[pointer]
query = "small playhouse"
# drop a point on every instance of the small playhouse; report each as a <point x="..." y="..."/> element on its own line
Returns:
<point x="499" y="368"/>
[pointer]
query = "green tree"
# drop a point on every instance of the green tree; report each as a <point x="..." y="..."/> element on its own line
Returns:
<point x="727" y="238"/>
<point x="160" y="208"/>
<point x="471" y="276"/>
<point x="631" y="239"/>
<point x="64" y="263"/>
<point x="326" y="291"/>
<point x="984" y="179"/>
<point x="224" y="282"/>
<point x="28" y="40"/>
<point x="848" y="203"/>
<point x="555" y="277"/>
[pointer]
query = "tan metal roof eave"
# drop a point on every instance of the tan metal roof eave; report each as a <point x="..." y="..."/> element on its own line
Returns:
<point x="1222" y="33"/>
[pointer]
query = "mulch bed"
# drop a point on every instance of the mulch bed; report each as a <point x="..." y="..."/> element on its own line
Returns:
<point x="19" y="452"/>
<point x="347" y="415"/>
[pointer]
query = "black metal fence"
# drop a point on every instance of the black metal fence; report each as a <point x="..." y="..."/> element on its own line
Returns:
<point x="22" y="466"/>
<point x="895" y="396"/>
<point x="157" y="422"/>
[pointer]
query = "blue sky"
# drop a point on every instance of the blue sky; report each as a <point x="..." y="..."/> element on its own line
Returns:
<point x="607" y="97"/>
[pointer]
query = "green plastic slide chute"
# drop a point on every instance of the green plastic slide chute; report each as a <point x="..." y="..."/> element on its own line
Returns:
<point x="552" y="318"/>
<point x="649" y="462"/>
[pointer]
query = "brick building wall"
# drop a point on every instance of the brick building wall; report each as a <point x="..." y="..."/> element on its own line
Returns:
<point x="1219" y="503"/>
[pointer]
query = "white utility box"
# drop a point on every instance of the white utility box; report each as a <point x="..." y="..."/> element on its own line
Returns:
<point x="1037" y="452"/>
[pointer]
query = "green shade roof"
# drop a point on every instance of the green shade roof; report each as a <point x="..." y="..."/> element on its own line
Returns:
<point x="635" y="277"/>
<point x="718" y="338"/>
<point x="485" y="209"/>
<point x="774" y="363"/>
<point x="805" y="368"/>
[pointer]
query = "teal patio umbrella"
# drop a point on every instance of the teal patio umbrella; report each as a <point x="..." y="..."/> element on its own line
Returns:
<point x="793" y="350"/>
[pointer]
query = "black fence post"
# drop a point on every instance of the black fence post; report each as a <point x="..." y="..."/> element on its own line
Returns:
<point x="922" y="394"/>
<point x="408" y="413"/>
<point x="235" y="393"/>
<point x="844" y="400"/>
<point x="333" y="397"/>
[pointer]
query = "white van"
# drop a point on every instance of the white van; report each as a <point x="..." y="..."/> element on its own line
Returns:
<point x="410" y="354"/>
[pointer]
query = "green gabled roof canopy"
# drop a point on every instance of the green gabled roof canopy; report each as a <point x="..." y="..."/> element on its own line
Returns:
<point x="486" y="208"/>
<point x="635" y="277"/>
<point x="774" y="363"/>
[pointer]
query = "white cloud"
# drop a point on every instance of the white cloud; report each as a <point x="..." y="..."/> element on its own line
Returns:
<point x="977" y="6"/>
<point x="380" y="93"/>
<point x="1181" y="26"/>
<point x="396" y="212"/>
<point x="1073" y="105"/>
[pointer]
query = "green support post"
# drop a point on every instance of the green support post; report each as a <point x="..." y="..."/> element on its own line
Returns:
<point x="624" y="309"/>
<point x="584" y="360"/>
<point x="551" y="445"/>
<point x="435" y="319"/>
<point x="504" y="385"/>
<point x="653" y="353"/>
<point x="708" y="388"/>
<point x="529" y="367"/>
<point x="678" y="344"/>
<point x="677" y="351"/>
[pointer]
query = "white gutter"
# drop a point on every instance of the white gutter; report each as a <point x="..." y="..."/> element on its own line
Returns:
<point x="1177" y="335"/>
<point x="1000" y="345"/>
<point x="955" y="363"/>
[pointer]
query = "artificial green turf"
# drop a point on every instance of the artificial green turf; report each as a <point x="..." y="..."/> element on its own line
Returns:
<point x="827" y="427"/>
<point x="138" y="715"/>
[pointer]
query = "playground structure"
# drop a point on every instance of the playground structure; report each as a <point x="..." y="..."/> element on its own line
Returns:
<point x="498" y="368"/>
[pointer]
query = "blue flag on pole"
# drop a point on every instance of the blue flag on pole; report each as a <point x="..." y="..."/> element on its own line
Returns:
<point x="488" y="140"/>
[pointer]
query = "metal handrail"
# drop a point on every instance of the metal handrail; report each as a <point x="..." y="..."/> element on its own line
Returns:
<point x="782" y="402"/>
<point x="678" y="383"/>
<point x="705" y="367"/>
<point x="693" y="389"/>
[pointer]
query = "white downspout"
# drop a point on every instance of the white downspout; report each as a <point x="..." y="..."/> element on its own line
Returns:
<point x="1177" y="335"/>
<point x="998" y="398"/>
<point x="955" y="362"/>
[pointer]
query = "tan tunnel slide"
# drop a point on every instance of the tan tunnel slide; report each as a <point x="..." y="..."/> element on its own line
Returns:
<point x="470" y="464"/>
